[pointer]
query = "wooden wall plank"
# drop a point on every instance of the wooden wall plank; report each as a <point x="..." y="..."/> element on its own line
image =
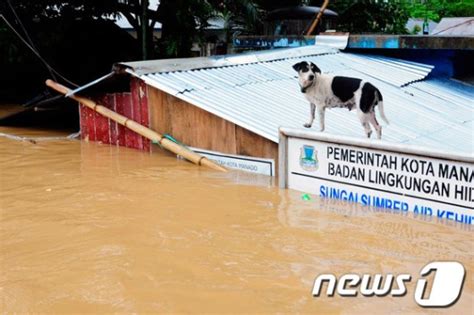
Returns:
<point x="136" y="111"/>
<point x="120" y="108"/>
<point x="102" y="123"/>
<point x="196" y="127"/>
<point x="95" y="127"/>
<point x="159" y="117"/>
<point x="91" y="124"/>
<point x="113" y="129"/>
<point x="251" y="144"/>
<point x="190" y="124"/>
<point x="145" y="117"/>
<point x="84" y="113"/>
<point x="162" y="120"/>
<point x="131" y="138"/>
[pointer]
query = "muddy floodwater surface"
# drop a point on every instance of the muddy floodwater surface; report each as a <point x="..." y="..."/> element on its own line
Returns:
<point x="86" y="227"/>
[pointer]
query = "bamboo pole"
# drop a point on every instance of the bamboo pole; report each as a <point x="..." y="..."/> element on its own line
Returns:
<point x="140" y="129"/>
<point x="318" y="17"/>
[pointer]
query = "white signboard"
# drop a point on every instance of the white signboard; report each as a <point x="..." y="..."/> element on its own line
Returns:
<point x="240" y="162"/>
<point x="381" y="178"/>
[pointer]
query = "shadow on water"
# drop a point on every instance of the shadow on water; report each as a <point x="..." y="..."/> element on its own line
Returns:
<point x="61" y="115"/>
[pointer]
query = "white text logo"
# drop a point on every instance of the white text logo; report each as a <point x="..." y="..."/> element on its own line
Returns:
<point x="445" y="290"/>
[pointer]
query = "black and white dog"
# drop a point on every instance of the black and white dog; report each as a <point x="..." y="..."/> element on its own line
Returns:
<point x="326" y="91"/>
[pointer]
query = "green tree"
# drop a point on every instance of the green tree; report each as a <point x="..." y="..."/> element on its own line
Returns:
<point x="183" y="21"/>
<point x="371" y="16"/>
<point x="242" y="15"/>
<point x="358" y="16"/>
<point x="141" y="20"/>
<point x="437" y="9"/>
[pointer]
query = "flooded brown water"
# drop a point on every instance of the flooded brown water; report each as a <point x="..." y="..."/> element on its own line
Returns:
<point x="86" y="227"/>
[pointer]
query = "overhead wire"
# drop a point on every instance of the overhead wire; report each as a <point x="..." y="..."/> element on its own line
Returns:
<point x="29" y="43"/>
<point x="25" y="32"/>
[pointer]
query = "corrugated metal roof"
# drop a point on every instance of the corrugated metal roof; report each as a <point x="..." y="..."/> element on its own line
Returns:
<point x="263" y="95"/>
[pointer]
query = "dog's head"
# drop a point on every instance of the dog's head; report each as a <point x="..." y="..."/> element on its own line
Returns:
<point x="307" y="72"/>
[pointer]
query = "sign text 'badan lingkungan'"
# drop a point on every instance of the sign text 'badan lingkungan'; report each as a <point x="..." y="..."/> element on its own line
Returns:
<point x="379" y="174"/>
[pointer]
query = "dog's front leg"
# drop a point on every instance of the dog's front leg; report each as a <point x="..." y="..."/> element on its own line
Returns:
<point x="313" y="109"/>
<point x="321" y="111"/>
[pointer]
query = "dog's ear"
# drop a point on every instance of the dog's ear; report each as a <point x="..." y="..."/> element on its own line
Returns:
<point x="315" y="68"/>
<point x="297" y="66"/>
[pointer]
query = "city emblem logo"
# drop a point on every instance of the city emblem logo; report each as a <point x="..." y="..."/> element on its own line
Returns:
<point x="309" y="158"/>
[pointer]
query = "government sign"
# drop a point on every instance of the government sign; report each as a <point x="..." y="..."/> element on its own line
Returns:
<point x="379" y="174"/>
<point x="240" y="162"/>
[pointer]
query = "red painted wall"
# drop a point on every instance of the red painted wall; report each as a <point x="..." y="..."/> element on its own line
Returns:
<point x="134" y="105"/>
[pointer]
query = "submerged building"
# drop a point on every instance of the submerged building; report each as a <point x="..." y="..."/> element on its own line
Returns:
<point x="235" y="105"/>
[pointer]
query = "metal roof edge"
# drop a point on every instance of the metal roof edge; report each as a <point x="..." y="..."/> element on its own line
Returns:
<point x="186" y="64"/>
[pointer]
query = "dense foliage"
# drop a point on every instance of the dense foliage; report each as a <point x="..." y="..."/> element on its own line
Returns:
<point x="183" y="21"/>
<point x="371" y="16"/>
<point x="437" y="9"/>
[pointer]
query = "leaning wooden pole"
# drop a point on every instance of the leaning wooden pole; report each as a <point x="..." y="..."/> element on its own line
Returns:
<point x="318" y="18"/>
<point x="140" y="129"/>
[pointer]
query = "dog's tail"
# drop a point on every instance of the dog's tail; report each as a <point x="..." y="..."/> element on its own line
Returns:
<point x="380" y="104"/>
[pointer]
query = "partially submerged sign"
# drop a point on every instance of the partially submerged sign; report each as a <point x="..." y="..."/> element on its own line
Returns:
<point x="378" y="174"/>
<point x="240" y="162"/>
